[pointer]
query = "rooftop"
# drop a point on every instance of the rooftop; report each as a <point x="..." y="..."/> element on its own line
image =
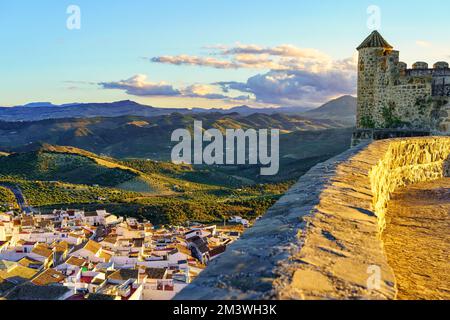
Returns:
<point x="49" y="276"/>
<point x="375" y="40"/>
<point x="124" y="274"/>
<point x="155" y="273"/>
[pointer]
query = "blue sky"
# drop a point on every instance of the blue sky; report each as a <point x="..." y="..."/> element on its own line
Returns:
<point x="203" y="53"/>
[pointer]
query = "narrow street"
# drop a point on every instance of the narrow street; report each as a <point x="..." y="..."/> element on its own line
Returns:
<point x="19" y="197"/>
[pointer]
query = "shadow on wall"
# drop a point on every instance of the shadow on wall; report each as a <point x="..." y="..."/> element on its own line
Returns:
<point x="447" y="167"/>
<point x="328" y="223"/>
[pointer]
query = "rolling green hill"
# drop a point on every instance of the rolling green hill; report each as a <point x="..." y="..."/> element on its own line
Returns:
<point x="121" y="164"/>
<point x="65" y="167"/>
<point x="49" y="163"/>
<point x="7" y="200"/>
<point x="140" y="137"/>
<point x="52" y="177"/>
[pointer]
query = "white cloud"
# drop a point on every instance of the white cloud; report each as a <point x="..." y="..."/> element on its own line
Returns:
<point x="138" y="85"/>
<point x="296" y="87"/>
<point x="291" y="76"/>
<point x="196" y="61"/>
<point x="285" y="50"/>
<point x="282" y="57"/>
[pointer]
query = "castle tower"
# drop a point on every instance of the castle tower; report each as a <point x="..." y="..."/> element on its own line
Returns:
<point x="375" y="72"/>
<point x="395" y="101"/>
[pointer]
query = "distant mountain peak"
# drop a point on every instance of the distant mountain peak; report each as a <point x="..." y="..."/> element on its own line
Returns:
<point x="39" y="104"/>
<point x="342" y="108"/>
<point x="128" y="102"/>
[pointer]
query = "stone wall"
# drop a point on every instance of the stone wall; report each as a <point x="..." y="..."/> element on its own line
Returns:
<point x="444" y="119"/>
<point x="322" y="239"/>
<point x="411" y="104"/>
<point x="406" y="162"/>
<point x="368" y="135"/>
<point x="392" y="96"/>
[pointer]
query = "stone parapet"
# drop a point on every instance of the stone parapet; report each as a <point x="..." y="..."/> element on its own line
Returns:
<point x="369" y="135"/>
<point x="322" y="239"/>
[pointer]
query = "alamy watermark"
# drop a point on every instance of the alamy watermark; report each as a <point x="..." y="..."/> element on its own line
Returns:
<point x="241" y="147"/>
<point x="73" y="22"/>
<point x="374" y="19"/>
<point x="374" y="279"/>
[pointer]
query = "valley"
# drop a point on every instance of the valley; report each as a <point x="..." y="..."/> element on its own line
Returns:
<point x="51" y="177"/>
<point x="122" y="163"/>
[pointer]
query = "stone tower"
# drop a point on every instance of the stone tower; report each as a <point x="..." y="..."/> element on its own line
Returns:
<point x="397" y="101"/>
<point x="374" y="73"/>
<point x="392" y="96"/>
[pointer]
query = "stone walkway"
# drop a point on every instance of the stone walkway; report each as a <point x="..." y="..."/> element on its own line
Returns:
<point x="417" y="240"/>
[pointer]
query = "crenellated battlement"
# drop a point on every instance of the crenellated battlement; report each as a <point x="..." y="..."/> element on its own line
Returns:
<point x="426" y="71"/>
<point x="438" y="67"/>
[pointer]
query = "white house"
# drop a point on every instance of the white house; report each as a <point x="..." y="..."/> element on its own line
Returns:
<point x="239" y="220"/>
<point x="91" y="251"/>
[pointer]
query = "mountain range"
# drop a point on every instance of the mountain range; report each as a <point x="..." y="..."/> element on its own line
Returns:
<point x="342" y="109"/>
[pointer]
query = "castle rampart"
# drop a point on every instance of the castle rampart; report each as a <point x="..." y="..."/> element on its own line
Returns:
<point x="321" y="239"/>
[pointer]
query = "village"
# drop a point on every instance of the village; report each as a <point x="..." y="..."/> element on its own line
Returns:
<point x="76" y="255"/>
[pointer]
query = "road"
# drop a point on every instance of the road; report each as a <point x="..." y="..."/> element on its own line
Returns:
<point x="417" y="240"/>
<point x="19" y="197"/>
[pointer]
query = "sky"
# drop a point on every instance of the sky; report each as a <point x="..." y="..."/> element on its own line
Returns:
<point x="198" y="53"/>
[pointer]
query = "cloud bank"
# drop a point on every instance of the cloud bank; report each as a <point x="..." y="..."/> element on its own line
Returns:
<point x="240" y="56"/>
<point x="288" y="75"/>
<point x="295" y="87"/>
<point x="138" y="85"/>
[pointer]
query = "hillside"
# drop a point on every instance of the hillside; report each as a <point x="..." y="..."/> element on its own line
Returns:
<point x="58" y="166"/>
<point x="139" y="137"/>
<point x="51" y="177"/>
<point x="299" y="151"/>
<point x="121" y="164"/>
<point x="7" y="199"/>
<point x="75" y="166"/>
<point x="342" y="109"/>
<point x="246" y="110"/>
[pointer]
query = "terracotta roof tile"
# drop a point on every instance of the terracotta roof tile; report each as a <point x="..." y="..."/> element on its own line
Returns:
<point x="49" y="276"/>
